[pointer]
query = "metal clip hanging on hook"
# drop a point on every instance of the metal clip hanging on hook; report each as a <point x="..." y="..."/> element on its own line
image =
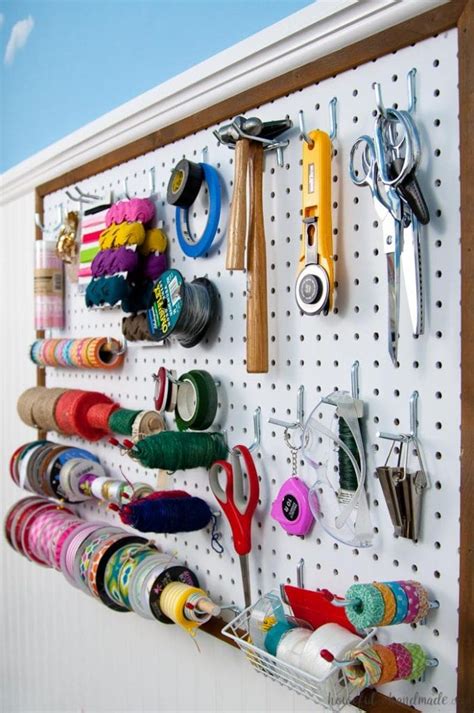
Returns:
<point x="299" y="414"/>
<point x="152" y="184"/>
<point x="43" y="228"/>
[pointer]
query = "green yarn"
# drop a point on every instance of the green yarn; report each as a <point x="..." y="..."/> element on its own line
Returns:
<point x="121" y="421"/>
<point x="172" y="450"/>
<point x="347" y="474"/>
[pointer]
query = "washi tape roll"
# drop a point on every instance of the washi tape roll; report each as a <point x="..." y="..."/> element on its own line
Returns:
<point x="389" y="664"/>
<point x="403" y="658"/>
<point x="413" y="597"/>
<point x="196" y="404"/>
<point x="423" y="602"/>
<point x="366" y="668"/>
<point x="401" y="600"/>
<point x="418" y="657"/>
<point x="389" y="603"/>
<point x="367" y="607"/>
<point x="184" y="184"/>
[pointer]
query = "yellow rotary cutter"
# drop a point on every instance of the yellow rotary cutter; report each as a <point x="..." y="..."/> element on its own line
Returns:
<point x="315" y="282"/>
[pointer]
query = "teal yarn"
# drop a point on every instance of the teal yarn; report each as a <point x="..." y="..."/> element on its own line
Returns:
<point x="274" y="636"/>
<point x="107" y="291"/>
<point x="368" y="607"/>
<point x="171" y="450"/>
<point x="121" y="421"/>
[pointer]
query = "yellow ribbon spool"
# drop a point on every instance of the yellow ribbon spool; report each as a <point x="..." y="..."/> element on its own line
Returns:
<point x="173" y="600"/>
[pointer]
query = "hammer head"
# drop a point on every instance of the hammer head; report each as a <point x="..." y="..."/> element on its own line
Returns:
<point x="253" y="126"/>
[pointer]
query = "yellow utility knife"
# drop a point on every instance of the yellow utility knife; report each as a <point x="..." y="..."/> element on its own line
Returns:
<point x="315" y="282"/>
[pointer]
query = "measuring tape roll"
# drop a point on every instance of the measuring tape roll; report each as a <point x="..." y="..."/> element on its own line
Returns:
<point x="196" y="404"/>
<point x="185" y="183"/>
<point x="191" y="246"/>
<point x="182" y="309"/>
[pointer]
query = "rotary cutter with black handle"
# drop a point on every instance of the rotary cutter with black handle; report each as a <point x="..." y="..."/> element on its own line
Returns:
<point x="185" y="183"/>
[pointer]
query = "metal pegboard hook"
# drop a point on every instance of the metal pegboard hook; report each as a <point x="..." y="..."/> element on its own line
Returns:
<point x="60" y="215"/>
<point x="204" y="154"/>
<point x="290" y="425"/>
<point x="303" y="134"/>
<point x="123" y="348"/>
<point x="300" y="574"/>
<point x="378" y="98"/>
<point x="257" y="430"/>
<point x="151" y="181"/>
<point x="333" y="118"/>
<point x="411" y="81"/>
<point x="406" y="437"/>
<point x="355" y="380"/>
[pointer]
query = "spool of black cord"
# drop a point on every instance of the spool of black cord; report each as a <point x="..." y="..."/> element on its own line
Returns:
<point x="182" y="309"/>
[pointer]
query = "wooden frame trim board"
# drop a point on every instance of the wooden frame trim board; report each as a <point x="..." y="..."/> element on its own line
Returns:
<point x="456" y="13"/>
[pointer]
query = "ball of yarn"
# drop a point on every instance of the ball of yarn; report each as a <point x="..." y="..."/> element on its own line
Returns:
<point x="172" y="451"/>
<point x="167" y="513"/>
<point x="155" y="241"/>
<point x="135" y="328"/>
<point x="112" y="260"/>
<point x="107" y="291"/>
<point x="367" y="608"/>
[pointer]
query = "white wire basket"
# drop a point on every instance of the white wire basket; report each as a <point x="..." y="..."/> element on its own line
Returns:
<point x="333" y="691"/>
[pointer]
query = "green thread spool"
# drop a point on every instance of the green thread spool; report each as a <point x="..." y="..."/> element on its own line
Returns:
<point x="347" y="475"/>
<point x="171" y="450"/>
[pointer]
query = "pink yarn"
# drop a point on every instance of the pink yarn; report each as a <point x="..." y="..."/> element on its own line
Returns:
<point x="136" y="210"/>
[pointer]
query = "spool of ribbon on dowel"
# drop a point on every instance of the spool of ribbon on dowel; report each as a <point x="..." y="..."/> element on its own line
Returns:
<point x="193" y="398"/>
<point x="184" y="310"/>
<point x="385" y="603"/>
<point x="87" y="353"/>
<point x="73" y="475"/>
<point x="125" y="572"/>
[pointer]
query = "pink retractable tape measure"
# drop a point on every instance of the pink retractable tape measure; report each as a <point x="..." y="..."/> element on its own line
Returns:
<point x="291" y="507"/>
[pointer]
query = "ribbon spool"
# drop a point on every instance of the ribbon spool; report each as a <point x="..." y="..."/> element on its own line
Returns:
<point x="182" y="309"/>
<point x="179" y="602"/>
<point x="140" y="210"/>
<point x="196" y="403"/>
<point x="386" y="603"/>
<point x="185" y="183"/>
<point x="166" y="390"/>
<point x="197" y="247"/>
<point x="135" y="328"/>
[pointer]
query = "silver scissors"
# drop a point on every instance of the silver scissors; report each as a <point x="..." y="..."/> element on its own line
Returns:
<point x="398" y="152"/>
<point x="388" y="208"/>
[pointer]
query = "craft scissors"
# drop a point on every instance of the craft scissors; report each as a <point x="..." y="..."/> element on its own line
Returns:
<point x="238" y="506"/>
<point x="388" y="208"/>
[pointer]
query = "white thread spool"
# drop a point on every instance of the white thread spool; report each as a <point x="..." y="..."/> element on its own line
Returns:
<point x="291" y="646"/>
<point x="336" y="639"/>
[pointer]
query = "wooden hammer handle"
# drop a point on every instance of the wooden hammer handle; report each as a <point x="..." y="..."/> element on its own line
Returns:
<point x="237" y="230"/>
<point x="257" y="312"/>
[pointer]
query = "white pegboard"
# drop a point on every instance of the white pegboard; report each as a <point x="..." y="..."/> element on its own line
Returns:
<point x="318" y="351"/>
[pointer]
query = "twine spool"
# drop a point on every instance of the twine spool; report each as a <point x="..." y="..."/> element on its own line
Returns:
<point x="25" y="404"/>
<point x="44" y="408"/>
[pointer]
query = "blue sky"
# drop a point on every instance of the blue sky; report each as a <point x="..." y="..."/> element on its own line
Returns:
<point x="67" y="62"/>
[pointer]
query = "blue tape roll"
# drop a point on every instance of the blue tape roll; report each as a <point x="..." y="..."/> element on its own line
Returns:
<point x="202" y="245"/>
<point x="401" y="600"/>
